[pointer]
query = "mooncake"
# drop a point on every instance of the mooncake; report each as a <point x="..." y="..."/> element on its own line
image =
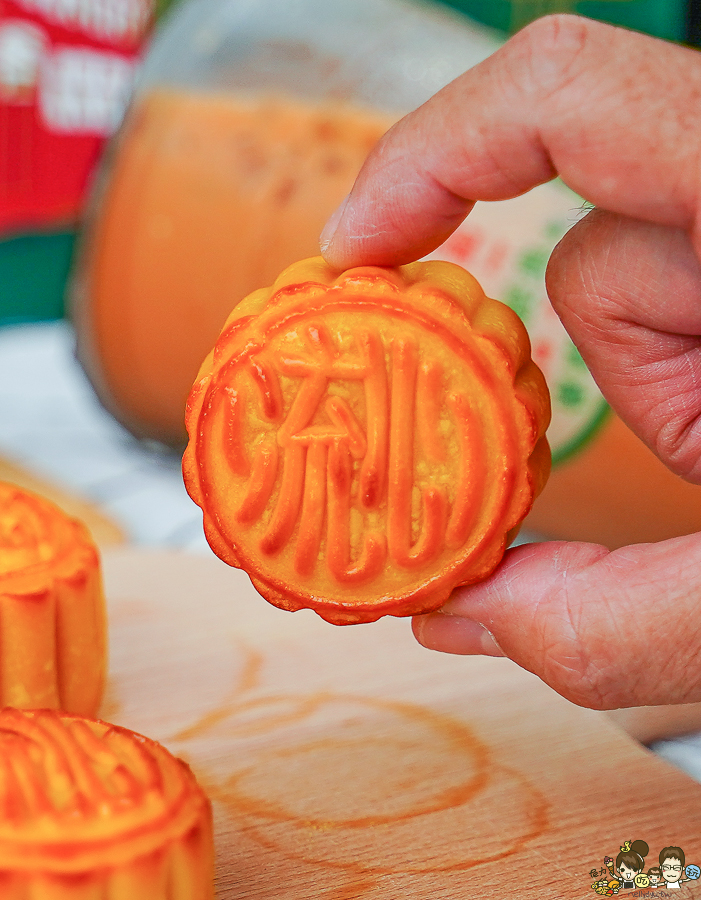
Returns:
<point x="91" y="811"/>
<point x="363" y="442"/>
<point x="52" y="614"/>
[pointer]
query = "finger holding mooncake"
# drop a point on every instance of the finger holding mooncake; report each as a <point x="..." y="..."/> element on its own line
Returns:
<point x="363" y="442"/>
<point x="92" y="811"/>
<point x="52" y="612"/>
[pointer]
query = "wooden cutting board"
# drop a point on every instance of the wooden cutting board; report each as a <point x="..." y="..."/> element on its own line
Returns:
<point x="352" y="763"/>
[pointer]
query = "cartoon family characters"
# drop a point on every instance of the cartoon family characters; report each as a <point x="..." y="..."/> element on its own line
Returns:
<point x="628" y="870"/>
<point x="630" y="862"/>
<point x="672" y="866"/>
<point x="654" y="874"/>
<point x="607" y="888"/>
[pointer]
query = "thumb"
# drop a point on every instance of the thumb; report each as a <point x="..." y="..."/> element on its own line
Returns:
<point x="604" y="629"/>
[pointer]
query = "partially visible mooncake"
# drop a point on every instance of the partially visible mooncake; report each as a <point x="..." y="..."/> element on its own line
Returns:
<point x="52" y="611"/>
<point x="91" y="811"/>
<point x="361" y="443"/>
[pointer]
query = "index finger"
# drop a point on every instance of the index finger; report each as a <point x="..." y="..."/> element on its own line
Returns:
<point x="612" y="112"/>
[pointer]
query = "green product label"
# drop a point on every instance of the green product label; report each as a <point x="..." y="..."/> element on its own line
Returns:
<point x="662" y="18"/>
<point x="506" y="246"/>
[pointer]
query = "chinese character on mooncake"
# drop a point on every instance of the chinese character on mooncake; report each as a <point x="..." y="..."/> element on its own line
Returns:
<point x="362" y="443"/>
<point x="52" y="615"/>
<point x="92" y="811"/>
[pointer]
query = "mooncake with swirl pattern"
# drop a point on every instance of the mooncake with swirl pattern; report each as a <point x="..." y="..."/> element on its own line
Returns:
<point x="363" y="442"/>
<point x="52" y="613"/>
<point x="92" y="811"/>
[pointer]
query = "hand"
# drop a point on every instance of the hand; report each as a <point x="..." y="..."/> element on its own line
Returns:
<point x="616" y="115"/>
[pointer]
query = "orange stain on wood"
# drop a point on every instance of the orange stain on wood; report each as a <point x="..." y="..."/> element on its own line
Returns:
<point x="371" y="786"/>
<point x="248" y="679"/>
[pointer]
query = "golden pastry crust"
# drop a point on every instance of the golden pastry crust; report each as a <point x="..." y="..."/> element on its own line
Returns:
<point x="91" y="810"/>
<point x="362" y="443"/>
<point x="52" y="614"/>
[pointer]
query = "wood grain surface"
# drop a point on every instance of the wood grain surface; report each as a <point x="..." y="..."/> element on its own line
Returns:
<point x="352" y="763"/>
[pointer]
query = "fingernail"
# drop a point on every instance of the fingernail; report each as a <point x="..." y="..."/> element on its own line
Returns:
<point x="454" y="634"/>
<point x="332" y="224"/>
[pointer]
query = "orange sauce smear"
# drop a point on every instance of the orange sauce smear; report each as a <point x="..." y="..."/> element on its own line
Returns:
<point x="371" y="787"/>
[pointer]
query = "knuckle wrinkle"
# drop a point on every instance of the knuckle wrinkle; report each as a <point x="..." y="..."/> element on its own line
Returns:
<point x="553" y="48"/>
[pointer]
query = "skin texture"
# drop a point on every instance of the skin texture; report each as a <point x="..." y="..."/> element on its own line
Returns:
<point x="615" y="114"/>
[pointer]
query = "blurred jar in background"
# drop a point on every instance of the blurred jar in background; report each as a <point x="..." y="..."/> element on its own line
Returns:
<point x="66" y="72"/>
<point x="250" y="120"/>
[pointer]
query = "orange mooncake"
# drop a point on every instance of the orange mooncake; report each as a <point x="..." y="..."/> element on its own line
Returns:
<point x="52" y="614"/>
<point x="91" y="811"/>
<point x="363" y="442"/>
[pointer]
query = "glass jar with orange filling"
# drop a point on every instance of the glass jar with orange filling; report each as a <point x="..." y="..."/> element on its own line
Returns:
<point x="249" y="124"/>
<point x="363" y="442"/>
<point x="52" y="614"/>
<point x="91" y="811"/>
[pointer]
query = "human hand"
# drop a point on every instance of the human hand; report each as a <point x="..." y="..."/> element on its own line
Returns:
<point x="615" y="115"/>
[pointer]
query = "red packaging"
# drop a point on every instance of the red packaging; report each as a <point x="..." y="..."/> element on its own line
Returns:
<point x="66" y="73"/>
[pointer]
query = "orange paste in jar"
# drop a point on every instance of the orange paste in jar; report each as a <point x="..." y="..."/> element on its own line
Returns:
<point x="208" y="197"/>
